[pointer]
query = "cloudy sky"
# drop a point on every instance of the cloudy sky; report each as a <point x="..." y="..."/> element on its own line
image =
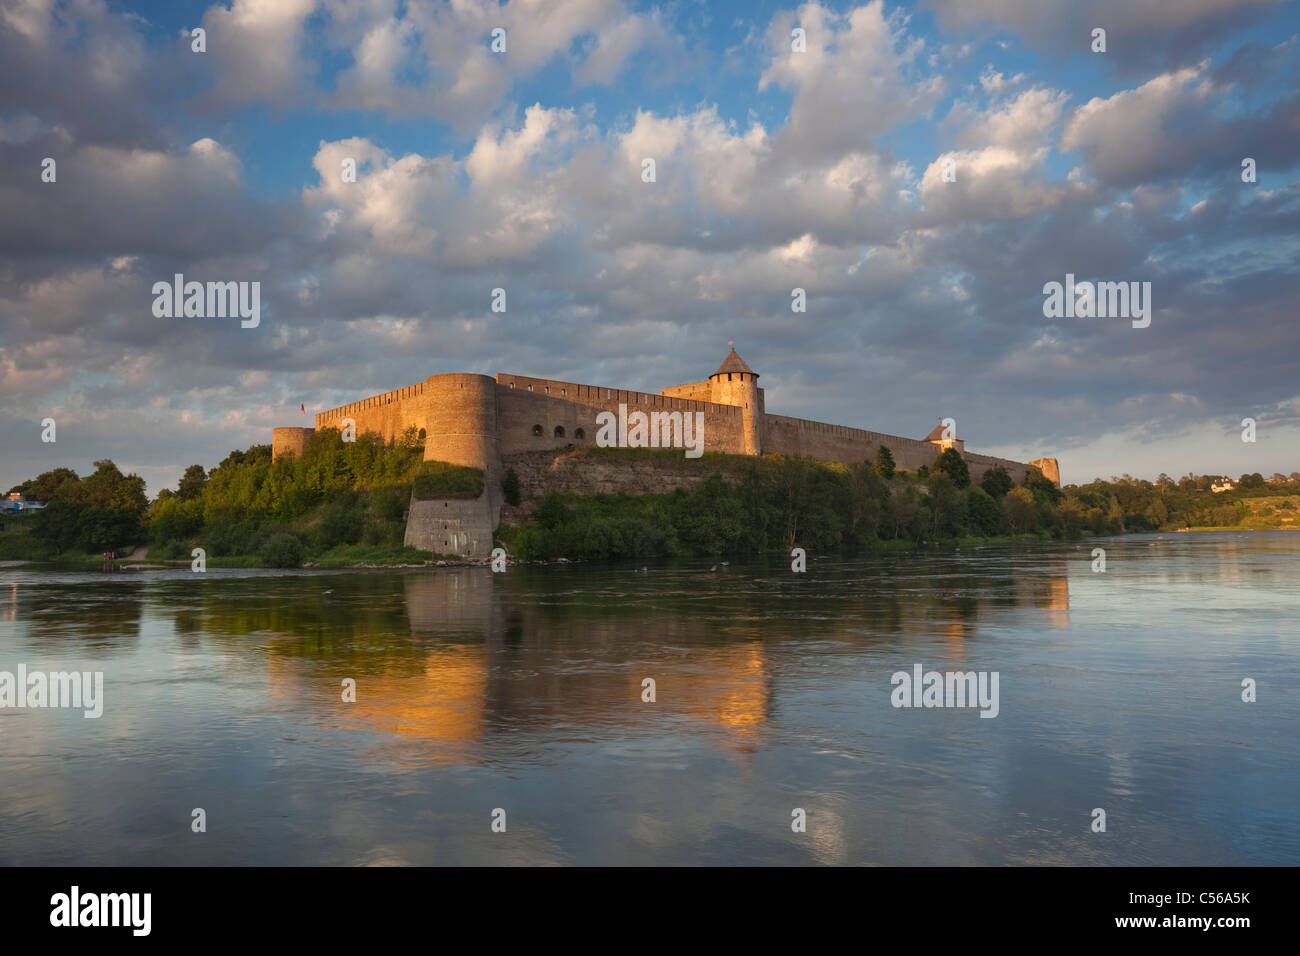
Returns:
<point x="775" y="169"/>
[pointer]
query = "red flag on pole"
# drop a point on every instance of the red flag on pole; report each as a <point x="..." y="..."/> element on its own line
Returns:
<point x="303" y="409"/>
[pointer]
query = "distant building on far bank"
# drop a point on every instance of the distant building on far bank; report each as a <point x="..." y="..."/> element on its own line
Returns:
<point x="1223" y="484"/>
<point x="16" y="502"/>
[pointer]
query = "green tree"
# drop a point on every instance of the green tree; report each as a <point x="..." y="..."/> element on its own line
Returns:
<point x="952" y="464"/>
<point x="103" y="511"/>
<point x="1073" y="517"/>
<point x="1043" y="488"/>
<point x="902" y="510"/>
<point x="885" y="463"/>
<point x="947" y="507"/>
<point x="983" y="512"/>
<point x="172" y="519"/>
<point x="997" y="482"/>
<point x="192" y="482"/>
<point x="1157" y="513"/>
<point x="867" y="493"/>
<point x="1020" y="510"/>
<point x="58" y="484"/>
<point x="60" y="525"/>
<point x="107" y="487"/>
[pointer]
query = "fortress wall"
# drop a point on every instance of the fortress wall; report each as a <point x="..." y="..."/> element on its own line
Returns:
<point x="435" y="405"/>
<point x="387" y="415"/>
<point x="979" y="464"/>
<point x="573" y="472"/>
<point x="473" y="420"/>
<point x="572" y="406"/>
<point x="456" y="411"/>
<point x="700" y="391"/>
<point x="801" y="437"/>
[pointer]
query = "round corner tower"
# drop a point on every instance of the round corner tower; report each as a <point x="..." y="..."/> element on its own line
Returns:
<point x="290" y="441"/>
<point x="735" y="383"/>
<point x="461" y="412"/>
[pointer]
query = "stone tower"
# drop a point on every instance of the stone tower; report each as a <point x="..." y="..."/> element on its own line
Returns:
<point x="735" y="383"/>
<point x="460" y="412"/>
<point x="290" y="441"/>
<point x="461" y="415"/>
<point x="1050" y="468"/>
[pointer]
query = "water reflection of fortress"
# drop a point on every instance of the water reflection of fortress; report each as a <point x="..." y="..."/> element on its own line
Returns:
<point x="488" y="665"/>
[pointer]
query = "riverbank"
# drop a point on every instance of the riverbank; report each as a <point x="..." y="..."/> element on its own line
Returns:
<point x="410" y="558"/>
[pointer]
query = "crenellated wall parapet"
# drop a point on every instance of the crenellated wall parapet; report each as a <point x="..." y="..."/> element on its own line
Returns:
<point x="605" y="397"/>
<point x="333" y="418"/>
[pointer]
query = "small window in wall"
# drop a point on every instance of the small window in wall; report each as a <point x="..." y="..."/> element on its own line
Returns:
<point x="530" y="388"/>
<point x="579" y="434"/>
<point x="559" y="431"/>
<point x="537" y="430"/>
<point x="561" y="391"/>
<point x="512" y="384"/>
<point x="423" y="434"/>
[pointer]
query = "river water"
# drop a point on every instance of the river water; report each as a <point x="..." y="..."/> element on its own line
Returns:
<point x="522" y="692"/>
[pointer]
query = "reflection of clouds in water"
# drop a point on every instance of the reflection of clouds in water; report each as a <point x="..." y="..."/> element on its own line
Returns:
<point x="523" y="690"/>
<point x="826" y="834"/>
<point x="1121" y="773"/>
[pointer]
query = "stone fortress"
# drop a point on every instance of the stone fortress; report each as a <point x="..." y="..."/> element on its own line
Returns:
<point x="484" y="423"/>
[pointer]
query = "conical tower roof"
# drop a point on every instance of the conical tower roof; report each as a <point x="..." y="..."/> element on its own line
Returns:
<point x="734" y="363"/>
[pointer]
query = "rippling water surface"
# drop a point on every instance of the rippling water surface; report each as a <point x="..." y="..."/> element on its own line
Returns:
<point x="522" y="691"/>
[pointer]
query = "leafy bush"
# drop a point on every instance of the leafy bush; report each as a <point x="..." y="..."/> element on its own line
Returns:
<point x="390" y="503"/>
<point x="510" y="487"/>
<point x="281" y="550"/>
<point x="342" y="522"/>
